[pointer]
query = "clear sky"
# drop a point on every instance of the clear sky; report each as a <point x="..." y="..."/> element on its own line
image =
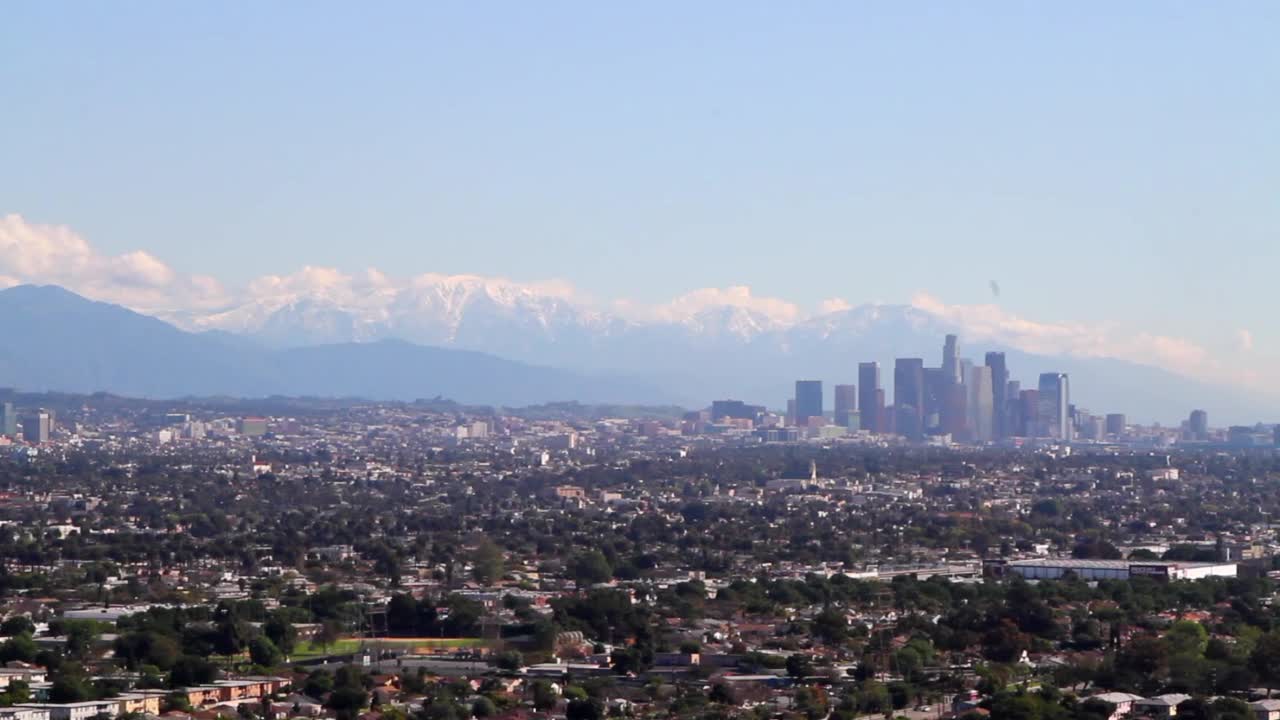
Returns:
<point x="1103" y="161"/>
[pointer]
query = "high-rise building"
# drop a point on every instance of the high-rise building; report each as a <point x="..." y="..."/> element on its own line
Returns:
<point x="791" y="412"/>
<point x="999" y="395"/>
<point x="37" y="426"/>
<point x="1013" y="408"/>
<point x="8" y="421"/>
<point x="1115" y="424"/>
<point x="846" y="404"/>
<point x="955" y="420"/>
<point x="1199" y="425"/>
<point x="808" y="400"/>
<point x="1053" y="416"/>
<point x="735" y="409"/>
<point x="980" y="407"/>
<point x="935" y="390"/>
<point x="951" y="359"/>
<point x="908" y="397"/>
<point x="252" y="426"/>
<point x="870" y="396"/>
<point x="1029" y="402"/>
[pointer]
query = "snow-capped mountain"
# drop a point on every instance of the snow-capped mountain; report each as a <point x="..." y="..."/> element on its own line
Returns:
<point x="706" y="344"/>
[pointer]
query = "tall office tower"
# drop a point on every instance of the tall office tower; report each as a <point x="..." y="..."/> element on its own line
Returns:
<point x="8" y="421"/>
<point x="1055" y="401"/>
<point x="981" y="410"/>
<point x="1115" y="424"/>
<point x="908" y="397"/>
<point x="846" y="404"/>
<point x="36" y="427"/>
<point x="791" y="412"/>
<point x="1199" y="425"/>
<point x="870" y="397"/>
<point x="808" y="400"/>
<point x="1013" y="408"/>
<point x="951" y="359"/>
<point x="999" y="395"/>
<point x="1029" y="400"/>
<point x="954" y="419"/>
<point x="935" y="389"/>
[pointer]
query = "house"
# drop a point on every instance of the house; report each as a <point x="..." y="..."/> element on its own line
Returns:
<point x="140" y="702"/>
<point x="1160" y="706"/>
<point x="1120" y="702"/>
<point x="1268" y="709"/>
<point x="22" y="713"/>
<point x="75" y="711"/>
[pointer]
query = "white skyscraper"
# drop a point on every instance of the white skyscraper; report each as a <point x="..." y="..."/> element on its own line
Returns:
<point x="1055" y="399"/>
<point x="980" y="405"/>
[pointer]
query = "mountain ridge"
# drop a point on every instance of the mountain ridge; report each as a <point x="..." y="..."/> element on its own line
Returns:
<point x="565" y="353"/>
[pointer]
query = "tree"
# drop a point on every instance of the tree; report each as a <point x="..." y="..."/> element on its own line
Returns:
<point x="264" y="652"/>
<point x="590" y="568"/>
<point x="799" y="666"/>
<point x="583" y="710"/>
<point x="487" y="562"/>
<point x="544" y="696"/>
<point x="483" y="707"/>
<point x="17" y="625"/>
<point x="1265" y="660"/>
<point x="192" y="670"/>
<point x="327" y="634"/>
<point x="510" y="660"/>
<point x="281" y="633"/>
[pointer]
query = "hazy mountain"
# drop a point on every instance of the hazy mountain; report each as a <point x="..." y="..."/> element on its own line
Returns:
<point x="57" y="340"/>
<point x="695" y="351"/>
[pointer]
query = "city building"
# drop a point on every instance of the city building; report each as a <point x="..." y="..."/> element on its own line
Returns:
<point x="1115" y="424"/>
<point x="846" y="404"/>
<point x="999" y="395"/>
<point x="870" y="396"/>
<point x="37" y="426"/>
<point x="8" y="421"/>
<point x="951" y="359"/>
<point x="908" y="397"/>
<point x="1198" y="426"/>
<point x="1053" y="415"/>
<point x="253" y="426"/>
<point x="808" y="401"/>
<point x="981" y="411"/>
<point x="1029" y="402"/>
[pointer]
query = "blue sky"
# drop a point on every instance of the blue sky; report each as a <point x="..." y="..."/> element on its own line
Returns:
<point x="1104" y="162"/>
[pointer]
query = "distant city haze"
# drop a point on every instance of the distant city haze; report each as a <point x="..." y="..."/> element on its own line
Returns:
<point x="1085" y="182"/>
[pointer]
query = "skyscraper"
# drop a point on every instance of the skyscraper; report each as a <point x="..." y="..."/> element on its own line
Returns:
<point x="1115" y="424"/>
<point x="980" y="404"/>
<point x="908" y="397"/>
<point x="951" y="359"/>
<point x="846" y="404"/>
<point x="999" y="395"/>
<point x="1029" y="409"/>
<point x="8" y="421"/>
<point x="36" y="427"/>
<point x="1055" y="399"/>
<point x="935" y="390"/>
<point x="870" y="401"/>
<point x="808" y="400"/>
<point x="1199" y="425"/>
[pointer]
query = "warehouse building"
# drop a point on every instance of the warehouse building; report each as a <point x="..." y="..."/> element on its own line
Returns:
<point x="1053" y="568"/>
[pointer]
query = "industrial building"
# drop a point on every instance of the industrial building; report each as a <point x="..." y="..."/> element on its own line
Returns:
<point x="1053" y="568"/>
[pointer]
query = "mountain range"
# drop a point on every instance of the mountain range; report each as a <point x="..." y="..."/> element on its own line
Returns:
<point x="484" y="341"/>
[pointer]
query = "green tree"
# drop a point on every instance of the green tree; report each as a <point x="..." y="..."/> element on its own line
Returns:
<point x="487" y="562"/>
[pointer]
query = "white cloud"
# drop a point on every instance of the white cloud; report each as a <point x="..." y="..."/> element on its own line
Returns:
<point x="991" y="322"/>
<point x="55" y="254"/>
<point x="1244" y="340"/>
